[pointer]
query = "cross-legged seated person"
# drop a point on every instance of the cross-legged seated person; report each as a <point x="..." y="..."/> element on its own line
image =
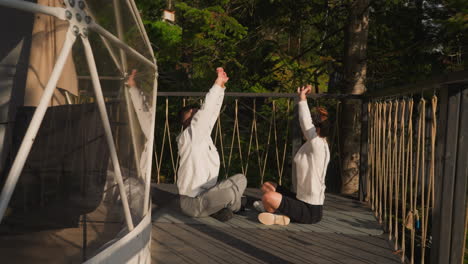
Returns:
<point x="311" y="164"/>
<point x="200" y="194"/>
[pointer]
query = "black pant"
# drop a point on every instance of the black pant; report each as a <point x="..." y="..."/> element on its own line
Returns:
<point x="297" y="210"/>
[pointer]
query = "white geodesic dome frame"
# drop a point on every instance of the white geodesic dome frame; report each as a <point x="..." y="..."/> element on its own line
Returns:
<point x="80" y="22"/>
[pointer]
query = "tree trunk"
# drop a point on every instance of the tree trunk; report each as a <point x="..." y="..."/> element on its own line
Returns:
<point x="354" y="83"/>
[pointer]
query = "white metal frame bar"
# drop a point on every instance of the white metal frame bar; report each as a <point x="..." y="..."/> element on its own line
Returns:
<point x="146" y="202"/>
<point x="39" y="114"/>
<point x="130" y="112"/>
<point x="107" y="128"/>
<point x="35" y="124"/>
<point x="108" y="47"/>
<point x="131" y="120"/>
<point x="120" y="33"/>
<point x="134" y="10"/>
<point x="145" y="35"/>
<point x="137" y="18"/>
<point x="112" y="54"/>
<point x="132" y="248"/>
<point x="35" y="8"/>
<point x="113" y="39"/>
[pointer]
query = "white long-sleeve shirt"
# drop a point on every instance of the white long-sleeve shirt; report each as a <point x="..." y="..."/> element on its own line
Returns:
<point x="311" y="161"/>
<point x="199" y="159"/>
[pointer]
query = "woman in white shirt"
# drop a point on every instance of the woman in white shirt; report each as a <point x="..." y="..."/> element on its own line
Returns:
<point x="283" y="206"/>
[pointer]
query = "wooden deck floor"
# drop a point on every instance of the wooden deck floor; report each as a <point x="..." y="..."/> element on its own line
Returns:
<point x="348" y="233"/>
<point x="34" y="241"/>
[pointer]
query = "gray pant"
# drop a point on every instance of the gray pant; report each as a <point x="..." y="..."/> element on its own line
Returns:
<point x="226" y="194"/>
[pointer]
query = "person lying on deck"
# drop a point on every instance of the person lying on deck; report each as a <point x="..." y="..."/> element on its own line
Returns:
<point x="279" y="205"/>
<point x="200" y="194"/>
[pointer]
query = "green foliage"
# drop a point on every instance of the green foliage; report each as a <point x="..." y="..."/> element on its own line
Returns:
<point x="151" y="10"/>
<point x="277" y="45"/>
<point x="264" y="45"/>
<point x="169" y="36"/>
<point x="411" y="40"/>
<point x="457" y="20"/>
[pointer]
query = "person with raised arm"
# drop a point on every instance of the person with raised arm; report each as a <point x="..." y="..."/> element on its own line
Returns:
<point x="279" y="205"/>
<point x="200" y="194"/>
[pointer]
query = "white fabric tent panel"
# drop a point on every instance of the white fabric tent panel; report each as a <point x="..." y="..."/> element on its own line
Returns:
<point x="48" y="37"/>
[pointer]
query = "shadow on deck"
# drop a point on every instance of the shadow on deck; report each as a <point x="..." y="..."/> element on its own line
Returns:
<point x="348" y="233"/>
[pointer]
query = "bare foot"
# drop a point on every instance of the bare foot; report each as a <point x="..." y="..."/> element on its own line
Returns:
<point x="222" y="77"/>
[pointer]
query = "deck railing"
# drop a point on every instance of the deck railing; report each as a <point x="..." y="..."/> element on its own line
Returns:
<point x="257" y="134"/>
<point x="414" y="168"/>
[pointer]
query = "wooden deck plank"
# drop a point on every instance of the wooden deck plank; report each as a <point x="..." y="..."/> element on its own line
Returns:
<point x="348" y="233"/>
<point x="19" y="244"/>
<point x="356" y="249"/>
<point x="256" y="240"/>
<point x="346" y="222"/>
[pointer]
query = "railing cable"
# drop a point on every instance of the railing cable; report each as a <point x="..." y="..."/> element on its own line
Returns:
<point x="280" y="160"/>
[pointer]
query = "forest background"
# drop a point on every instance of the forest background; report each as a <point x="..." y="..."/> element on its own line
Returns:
<point x="266" y="46"/>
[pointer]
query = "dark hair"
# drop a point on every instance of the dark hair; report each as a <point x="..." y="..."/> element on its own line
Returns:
<point x="184" y="110"/>
<point x="325" y="129"/>
<point x="321" y="121"/>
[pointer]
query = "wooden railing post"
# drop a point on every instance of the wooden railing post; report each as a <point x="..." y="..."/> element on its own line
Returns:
<point x="461" y="181"/>
<point x="363" y="153"/>
<point x="451" y="176"/>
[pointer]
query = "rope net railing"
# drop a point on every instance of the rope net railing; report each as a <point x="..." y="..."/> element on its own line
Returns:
<point x="401" y="170"/>
<point x="253" y="136"/>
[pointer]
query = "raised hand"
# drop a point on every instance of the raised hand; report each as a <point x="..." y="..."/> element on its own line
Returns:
<point x="222" y="77"/>
<point x="303" y="91"/>
<point x="131" y="79"/>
